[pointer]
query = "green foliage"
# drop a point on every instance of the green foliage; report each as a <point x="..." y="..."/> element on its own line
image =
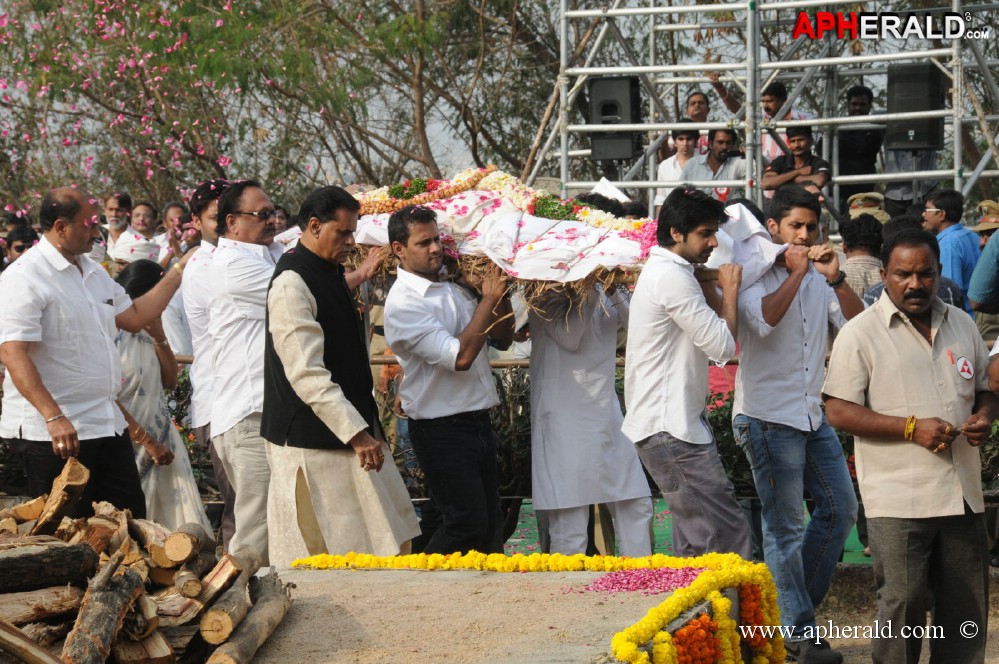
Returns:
<point x="512" y="422"/>
<point x="408" y="189"/>
<point x="552" y="207"/>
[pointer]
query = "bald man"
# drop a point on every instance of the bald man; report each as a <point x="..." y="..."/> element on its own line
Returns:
<point x="63" y="372"/>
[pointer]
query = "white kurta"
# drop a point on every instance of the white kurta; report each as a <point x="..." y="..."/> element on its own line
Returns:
<point x="579" y="455"/>
<point x="172" y="497"/>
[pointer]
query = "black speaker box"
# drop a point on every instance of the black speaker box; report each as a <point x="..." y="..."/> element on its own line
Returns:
<point x="913" y="87"/>
<point x="614" y="100"/>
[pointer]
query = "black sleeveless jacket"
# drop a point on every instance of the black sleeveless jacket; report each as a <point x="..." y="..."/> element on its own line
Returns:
<point x="287" y="420"/>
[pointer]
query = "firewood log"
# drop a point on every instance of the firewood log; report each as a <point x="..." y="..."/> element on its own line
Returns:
<point x="142" y="619"/>
<point x="44" y="562"/>
<point x="271" y="601"/>
<point x="120" y="537"/>
<point x="175" y="609"/>
<point x="8" y="525"/>
<point x="17" y="643"/>
<point x="66" y="488"/>
<point x="183" y="639"/>
<point x="162" y="576"/>
<point x="33" y="605"/>
<point x="152" y="536"/>
<point x="97" y="533"/>
<point x="68" y="528"/>
<point x="188" y="579"/>
<point x="25" y="511"/>
<point x="154" y="649"/>
<point x="109" y="595"/>
<point x="45" y="634"/>
<point x="186" y="542"/>
<point x="222" y="618"/>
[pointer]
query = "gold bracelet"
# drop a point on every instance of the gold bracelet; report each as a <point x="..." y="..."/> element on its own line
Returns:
<point x="179" y="268"/>
<point x="910" y="427"/>
<point x="144" y="437"/>
<point x="161" y="344"/>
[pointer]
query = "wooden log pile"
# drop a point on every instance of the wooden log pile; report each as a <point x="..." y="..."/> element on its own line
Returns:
<point x="113" y="588"/>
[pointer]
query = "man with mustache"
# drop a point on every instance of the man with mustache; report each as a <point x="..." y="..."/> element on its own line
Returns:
<point x="909" y="379"/>
<point x="676" y="326"/>
<point x="240" y="272"/>
<point x="784" y="323"/>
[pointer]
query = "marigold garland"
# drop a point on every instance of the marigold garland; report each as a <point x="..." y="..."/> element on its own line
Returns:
<point x="722" y="570"/>
<point x="697" y="642"/>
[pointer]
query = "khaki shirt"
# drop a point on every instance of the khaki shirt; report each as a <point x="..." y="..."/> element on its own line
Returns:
<point x="882" y="362"/>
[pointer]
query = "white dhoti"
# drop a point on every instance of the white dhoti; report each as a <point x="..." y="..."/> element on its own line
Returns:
<point x="322" y="501"/>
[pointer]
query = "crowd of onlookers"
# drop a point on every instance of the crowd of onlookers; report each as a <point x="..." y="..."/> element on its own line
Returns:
<point x="104" y="294"/>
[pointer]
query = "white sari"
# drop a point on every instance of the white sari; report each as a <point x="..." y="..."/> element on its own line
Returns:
<point x="172" y="497"/>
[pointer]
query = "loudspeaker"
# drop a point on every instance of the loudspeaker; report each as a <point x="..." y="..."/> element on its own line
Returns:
<point x="913" y="87"/>
<point x="614" y="100"/>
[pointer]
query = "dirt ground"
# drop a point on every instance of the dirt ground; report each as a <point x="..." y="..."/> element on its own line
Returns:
<point x="394" y="617"/>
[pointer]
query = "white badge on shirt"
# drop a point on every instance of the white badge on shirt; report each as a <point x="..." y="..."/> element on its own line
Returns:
<point x="965" y="368"/>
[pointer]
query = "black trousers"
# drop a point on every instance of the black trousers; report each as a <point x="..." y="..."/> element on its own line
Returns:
<point x="458" y="457"/>
<point x="114" y="476"/>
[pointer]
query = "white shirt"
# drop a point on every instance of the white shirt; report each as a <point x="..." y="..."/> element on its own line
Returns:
<point x="175" y="325"/>
<point x="422" y="321"/>
<point x="672" y="334"/>
<point x="287" y="239"/>
<point x="669" y="169"/>
<point x="781" y="368"/>
<point x="239" y="274"/>
<point x="70" y="318"/>
<point x="697" y="169"/>
<point x="197" y="291"/>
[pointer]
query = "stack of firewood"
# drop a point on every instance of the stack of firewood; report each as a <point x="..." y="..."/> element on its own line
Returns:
<point x="125" y="588"/>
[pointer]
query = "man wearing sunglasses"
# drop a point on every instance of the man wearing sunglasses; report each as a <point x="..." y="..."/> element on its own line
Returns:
<point x="20" y="240"/>
<point x="959" y="248"/>
<point x="240" y="272"/>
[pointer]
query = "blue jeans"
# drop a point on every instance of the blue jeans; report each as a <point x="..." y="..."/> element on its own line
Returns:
<point x="786" y="462"/>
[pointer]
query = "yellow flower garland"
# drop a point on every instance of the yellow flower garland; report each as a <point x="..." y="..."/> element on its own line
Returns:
<point x="723" y="570"/>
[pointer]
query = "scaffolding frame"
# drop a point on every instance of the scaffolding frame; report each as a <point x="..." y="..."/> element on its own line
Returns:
<point x="751" y="76"/>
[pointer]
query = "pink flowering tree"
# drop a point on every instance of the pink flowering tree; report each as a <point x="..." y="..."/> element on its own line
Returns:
<point x="153" y="96"/>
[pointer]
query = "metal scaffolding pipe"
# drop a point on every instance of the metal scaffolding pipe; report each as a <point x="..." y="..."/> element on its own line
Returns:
<point x="897" y="177"/>
<point x="957" y="83"/>
<point x="597" y="43"/>
<point x="845" y="179"/>
<point x="750" y="72"/>
<point x="652" y="184"/>
<point x="648" y="69"/>
<point x="853" y="59"/>
<point x="812" y="122"/>
<point x="563" y="96"/>
<point x="721" y="25"/>
<point x="646" y="11"/>
<point x="801" y="4"/>
<point x="754" y="152"/>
